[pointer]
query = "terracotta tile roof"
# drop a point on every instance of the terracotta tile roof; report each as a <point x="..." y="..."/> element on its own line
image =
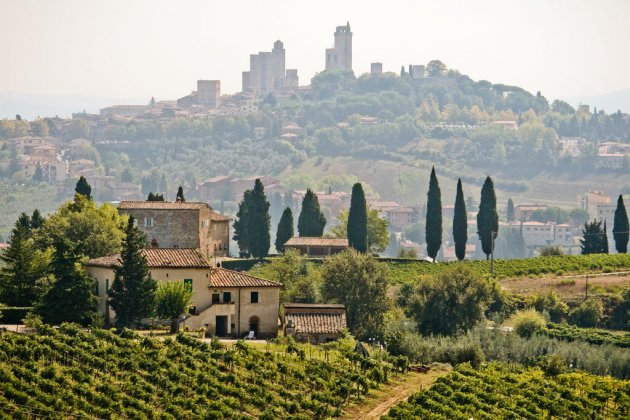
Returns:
<point x="317" y="323"/>
<point x="160" y="258"/>
<point x="162" y="205"/>
<point x="297" y="306"/>
<point x="317" y="241"/>
<point x="219" y="218"/>
<point x="220" y="277"/>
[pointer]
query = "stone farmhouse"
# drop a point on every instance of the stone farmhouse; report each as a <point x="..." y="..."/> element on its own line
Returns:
<point x="317" y="247"/>
<point x="169" y="224"/>
<point x="224" y="302"/>
<point x="314" y="322"/>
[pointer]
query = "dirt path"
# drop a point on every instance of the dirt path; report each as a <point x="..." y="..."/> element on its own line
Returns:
<point x="382" y="400"/>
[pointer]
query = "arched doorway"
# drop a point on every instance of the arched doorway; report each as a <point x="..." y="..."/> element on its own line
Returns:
<point x="254" y="325"/>
<point x="154" y="243"/>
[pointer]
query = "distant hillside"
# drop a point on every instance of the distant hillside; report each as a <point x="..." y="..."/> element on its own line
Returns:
<point x="610" y="102"/>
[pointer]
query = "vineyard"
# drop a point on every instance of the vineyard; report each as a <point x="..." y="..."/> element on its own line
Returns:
<point x="72" y="372"/>
<point x="590" y="335"/>
<point x="500" y="390"/>
<point x="404" y="271"/>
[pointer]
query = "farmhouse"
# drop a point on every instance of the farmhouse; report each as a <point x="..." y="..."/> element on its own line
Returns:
<point x="314" y="322"/>
<point x="317" y="247"/>
<point x="225" y="302"/>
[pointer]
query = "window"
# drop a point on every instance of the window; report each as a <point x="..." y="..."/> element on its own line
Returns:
<point x="216" y="298"/>
<point x="188" y="284"/>
<point x="96" y="286"/>
<point x="227" y="297"/>
<point x="254" y="297"/>
<point x="106" y="285"/>
<point x="148" y="222"/>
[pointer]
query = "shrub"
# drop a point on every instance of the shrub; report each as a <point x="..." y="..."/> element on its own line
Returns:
<point x="551" y="251"/>
<point x="550" y="302"/>
<point x="529" y="322"/>
<point x="587" y="314"/>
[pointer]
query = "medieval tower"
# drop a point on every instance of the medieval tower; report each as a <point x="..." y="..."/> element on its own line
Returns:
<point x="340" y="57"/>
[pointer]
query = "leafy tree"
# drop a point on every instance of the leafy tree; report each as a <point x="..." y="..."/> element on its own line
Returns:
<point x="155" y="197"/>
<point x="358" y="220"/>
<point x="435" y="68"/>
<point x="259" y="222"/>
<point x="22" y="270"/>
<point x="92" y="231"/>
<point x="433" y="227"/>
<point x="37" y="220"/>
<point x="377" y="234"/>
<point x="487" y="217"/>
<point x="71" y="296"/>
<point x="180" y="194"/>
<point x="621" y="227"/>
<point x="593" y="238"/>
<point x="510" y="210"/>
<point x="360" y="283"/>
<point x="550" y="214"/>
<point x="38" y="176"/>
<point x="587" y="314"/>
<point x="285" y="229"/>
<point x="454" y="301"/>
<point x="83" y="188"/>
<point x="241" y="224"/>
<point x="132" y="293"/>
<point x="311" y="221"/>
<point x="460" y="223"/>
<point x="529" y="322"/>
<point x="172" y="300"/>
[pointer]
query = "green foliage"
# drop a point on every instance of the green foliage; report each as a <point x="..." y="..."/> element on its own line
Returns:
<point x="132" y="294"/>
<point x="83" y="188"/>
<point x="357" y="226"/>
<point x="377" y="233"/>
<point x="589" y="335"/>
<point x="180" y="194"/>
<point x="360" y="283"/>
<point x="550" y="251"/>
<point x="37" y="221"/>
<point x="155" y="197"/>
<point x="451" y="302"/>
<point x="621" y="227"/>
<point x="594" y="239"/>
<point x="487" y="218"/>
<point x="527" y="323"/>
<point x="510" y="210"/>
<point x="460" y="223"/>
<point x="71" y="296"/>
<point x="172" y="300"/>
<point x="22" y="270"/>
<point x="311" y="221"/>
<point x="433" y="235"/>
<point x="551" y="304"/>
<point x="550" y="214"/>
<point x="500" y="390"/>
<point x="251" y="230"/>
<point x="285" y="229"/>
<point x="587" y="314"/>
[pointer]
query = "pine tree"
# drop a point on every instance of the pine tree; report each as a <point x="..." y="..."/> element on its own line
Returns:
<point x="621" y="227"/>
<point x="433" y="228"/>
<point x="180" y="195"/>
<point x="259" y="222"/>
<point x="71" y="297"/>
<point x="132" y="293"/>
<point x="25" y="221"/>
<point x="21" y="274"/>
<point x="593" y="237"/>
<point x="285" y="229"/>
<point x="38" y="176"/>
<point x="36" y="220"/>
<point x="241" y="224"/>
<point x="487" y="218"/>
<point x="311" y="221"/>
<point x="460" y="223"/>
<point x="357" y="220"/>
<point x="510" y="210"/>
<point x="83" y="188"/>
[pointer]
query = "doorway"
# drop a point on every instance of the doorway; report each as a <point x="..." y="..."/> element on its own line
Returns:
<point x="254" y="325"/>
<point x="222" y="326"/>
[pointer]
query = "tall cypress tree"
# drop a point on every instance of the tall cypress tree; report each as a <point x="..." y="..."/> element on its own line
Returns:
<point x="83" y="188"/>
<point x="132" y="294"/>
<point x="510" y="210"/>
<point x="285" y="229"/>
<point x="357" y="220"/>
<point x="605" y="239"/>
<point x="259" y="222"/>
<point x="71" y="297"/>
<point x="487" y="218"/>
<point x="311" y="221"/>
<point x="621" y="227"/>
<point x="460" y="223"/>
<point x="241" y="224"/>
<point x="433" y="229"/>
<point x="180" y="195"/>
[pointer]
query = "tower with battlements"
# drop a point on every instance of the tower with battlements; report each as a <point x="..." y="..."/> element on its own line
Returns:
<point x="340" y="57"/>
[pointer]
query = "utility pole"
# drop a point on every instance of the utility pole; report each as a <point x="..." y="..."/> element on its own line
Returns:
<point x="492" y="253"/>
<point x="587" y="286"/>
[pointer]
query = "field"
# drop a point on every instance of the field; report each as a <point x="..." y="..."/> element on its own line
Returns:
<point x="500" y="390"/>
<point x="568" y="287"/>
<point x="72" y="372"/>
<point x="589" y="335"/>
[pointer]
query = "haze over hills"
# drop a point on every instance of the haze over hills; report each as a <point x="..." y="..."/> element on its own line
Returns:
<point x="610" y="102"/>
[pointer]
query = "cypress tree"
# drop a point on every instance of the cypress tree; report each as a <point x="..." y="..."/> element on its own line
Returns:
<point x="71" y="297"/>
<point x="621" y="227"/>
<point x="460" y="223"/>
<point x="180" y="194"/>
<point x="132" y="293"/>
<point x="487" y="218"/>
<point x="592" y="241"/>
<point x="36" y="220"/>
<point x="259" y="222"/>
<point x="510" y="210"/>
<point x="285" y="229"/>
<point x="357" y="220"/>
<point x="241" y="224"/>
<point x="604" y="243"/>
<point x="311" y="221"/>
<point x="163" y="185"/>
<point x="83" y="188"/>
<point x="25" y="221"/>
<point x="433" y="228"/>
<point x="38" y="176"/>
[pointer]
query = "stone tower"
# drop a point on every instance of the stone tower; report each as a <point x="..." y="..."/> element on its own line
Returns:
<point x="340" y="57"/>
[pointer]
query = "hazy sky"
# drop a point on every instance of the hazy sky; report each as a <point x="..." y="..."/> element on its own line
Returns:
<point x="139" y="49"/>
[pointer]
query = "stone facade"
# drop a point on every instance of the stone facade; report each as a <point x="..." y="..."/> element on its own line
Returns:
<point x="340" y="57"/>
<point x="181" y="225"/>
